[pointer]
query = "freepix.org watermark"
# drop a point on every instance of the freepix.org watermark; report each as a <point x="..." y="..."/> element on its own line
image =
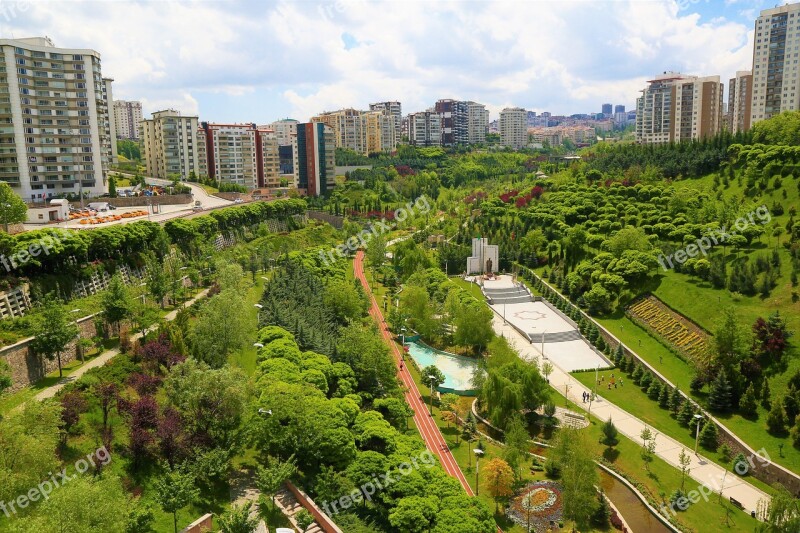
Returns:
<point x="716" y="484"/>
<point x="378" y="482"/>
<point x="43" y="490"/>
<point x="420" y="205"/>
<point x="717" y="236"/>
<point x="35" y="249"/>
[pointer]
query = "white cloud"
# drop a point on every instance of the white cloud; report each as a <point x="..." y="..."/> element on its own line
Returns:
<point x="566" y="56"/>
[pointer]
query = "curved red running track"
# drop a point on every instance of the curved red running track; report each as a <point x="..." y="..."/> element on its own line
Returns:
<point x="427" y="427"/>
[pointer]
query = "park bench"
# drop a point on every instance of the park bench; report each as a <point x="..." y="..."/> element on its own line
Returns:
<point x="736" y="503"/>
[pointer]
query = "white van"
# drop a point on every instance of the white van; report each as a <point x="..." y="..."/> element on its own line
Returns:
<point x="100" y="207"/>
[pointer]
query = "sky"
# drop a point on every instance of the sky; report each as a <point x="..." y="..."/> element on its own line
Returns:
<point x="260" y="61"/>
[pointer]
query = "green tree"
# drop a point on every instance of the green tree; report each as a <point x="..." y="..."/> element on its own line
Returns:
<point x="578" y="476"/>
<point x="431" y="376"/>
<point x="781" y="515"/>
<point x="709" y="437"/>
<point x="304" y="520"/>
<point x="223" y="325"/>
<point x="12" y="208"/>
<point x="5" y="376"/>
<point x="174" y="490"/>
<point x="748" y="403"/>
<point x="720" y="397"/>
<point x="83" y="505"/>
<point x="684" y="460"/>
<point x="448" y="403"/>
<point x="112" y="186"/>
<point x="686" y="413"/>
<point x="271" y="477"/>
<point x="157" y="278"/>
<point x="675" y="400"/>
<point x="53" y="330"/>
<point x="347" y="302"/>
<point x="237" y="520"/>
<point x="648" y="446"/>
<point x="516" y="450"/>
<point x="473" y="326"/>
<point x="610" y="433"/>
<point x="776" y="419"/>
<point x="116" y="302"/>
<point x="414" y="514"/>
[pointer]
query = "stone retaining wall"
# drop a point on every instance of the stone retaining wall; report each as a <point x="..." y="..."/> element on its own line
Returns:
<point x="140" y="201"/>
<point x="27" y="368"/>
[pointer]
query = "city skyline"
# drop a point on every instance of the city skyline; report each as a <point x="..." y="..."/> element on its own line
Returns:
<point x="343" y="54"/>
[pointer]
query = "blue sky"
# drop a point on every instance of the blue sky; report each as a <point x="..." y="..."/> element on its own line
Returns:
<point x="258" y="61"/>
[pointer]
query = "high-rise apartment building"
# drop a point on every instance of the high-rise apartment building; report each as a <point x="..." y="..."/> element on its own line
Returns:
<point x="127" y="116"/>
<point x="394" y="110"/>
<point x="619" y="109"/>
<point x="56" y="129"/>
<point x="244" y="154"/>
<point x="514" y="127"/>
<point x="284" y="129"/>
<point x="675" y="107"/>
<point x="776" y="78"/>
<point x="230" y="152"/>
<point x="454" y="115"/>
<point x="477" y="123"/>
<point x="364" y="132"/>
<point x="314" y="166"/>
<point x="424" y="128"/>
<point x="606" y="110"/>
<point x="170" y="145"/>
<point x="740" y="100"/>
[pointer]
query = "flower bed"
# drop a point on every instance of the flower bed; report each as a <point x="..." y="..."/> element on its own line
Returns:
<point x="675" y="330"/>
<point x="540" y="502"/>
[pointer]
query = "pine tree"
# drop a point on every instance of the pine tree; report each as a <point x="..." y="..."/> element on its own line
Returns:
<point x="794" y="433"/>
<point x="790" y="404"/>
<point x="709" y="436"/>
<point x="721" y="396"/>
<point x="675" y="400"/>
<point x="654" y="391"/>
<point x="645" y="380"/>
<point x="748" y="404"/>
<point x="636" y="375"/>
<point x="776" y="420"/>
<point x="686" y="413"/>
<point x="663" y="397"/>
<point x="766" y="400"/>
<point x="619" y="354"/>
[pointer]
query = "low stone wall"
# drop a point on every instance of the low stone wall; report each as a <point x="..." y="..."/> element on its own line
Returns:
<point x="323" y="520"/>
<point x="13" y="229"/>
<point x="763" y="469"/>
<point x="201" y="525"/>
<point x="334" y="220"/>
<point x="231" y="196"/>
<point x="140" y="201"/>
<point x="27" y="368"/>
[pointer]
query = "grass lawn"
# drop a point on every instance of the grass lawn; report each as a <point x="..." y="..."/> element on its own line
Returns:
<point x="246" y="357"/>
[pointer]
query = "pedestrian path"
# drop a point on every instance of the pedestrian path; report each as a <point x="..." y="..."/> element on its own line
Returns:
<point x="704" y="471"/>
<point x="103" y="358"/>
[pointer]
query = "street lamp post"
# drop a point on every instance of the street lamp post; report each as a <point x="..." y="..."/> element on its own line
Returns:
<point x="697" y="419"/>
<point x="431" y="378"/>
<point x="478" y="454"/>
<point x="6" y="209"/>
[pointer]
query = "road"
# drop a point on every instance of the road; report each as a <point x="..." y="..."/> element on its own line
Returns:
<point x="427" y="426"/>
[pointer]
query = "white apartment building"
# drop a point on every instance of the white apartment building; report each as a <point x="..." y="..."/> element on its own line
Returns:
<point x="477" y="122"/>
<point x="170" y="145"/>
<point x="394" y="110"/>
<point x="776" y="77"/>
<point x="676" y="107"/>
<point x="514" y="127"/>
<point x="740" y="100"/>
<point x="127" y="116"/>
<point x="56" y="133"/>
<point x="268" y="157"/>
<point x="424" y="128"/>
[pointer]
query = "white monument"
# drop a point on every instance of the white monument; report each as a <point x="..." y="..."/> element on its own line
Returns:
<point x="484" y="257"/>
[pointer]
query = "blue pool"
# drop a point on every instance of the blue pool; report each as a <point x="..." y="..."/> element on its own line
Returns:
<point x="457" y="369"/>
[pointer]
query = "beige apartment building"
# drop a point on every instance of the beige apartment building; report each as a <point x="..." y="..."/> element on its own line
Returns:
<point x="268" y="158"/>
<point x="127" y="116"/>
<point x="56" y="133"/>
<point x="740" y="100"/>
<point x="514" y="127"/>
<point x="169" y="144"/>
<point x="676" y="107"/>
<point x="477" y="122"/>
<point x="364" y="132"/>
<point x="776" y="76"/>
<point x="284" y="129"/>
<point x="394" y="110"/>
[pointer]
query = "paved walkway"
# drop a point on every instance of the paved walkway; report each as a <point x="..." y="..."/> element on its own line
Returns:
<point x="103" y="358"/>
<point x="427" y="426"/>
<point x="704" y="471"/>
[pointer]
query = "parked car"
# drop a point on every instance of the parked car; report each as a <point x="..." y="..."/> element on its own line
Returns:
<point x="197" y="208"/>
<point x="238" y="201"/>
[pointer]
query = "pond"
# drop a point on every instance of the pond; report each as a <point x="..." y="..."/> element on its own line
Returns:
<point x="457" y="369"/>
